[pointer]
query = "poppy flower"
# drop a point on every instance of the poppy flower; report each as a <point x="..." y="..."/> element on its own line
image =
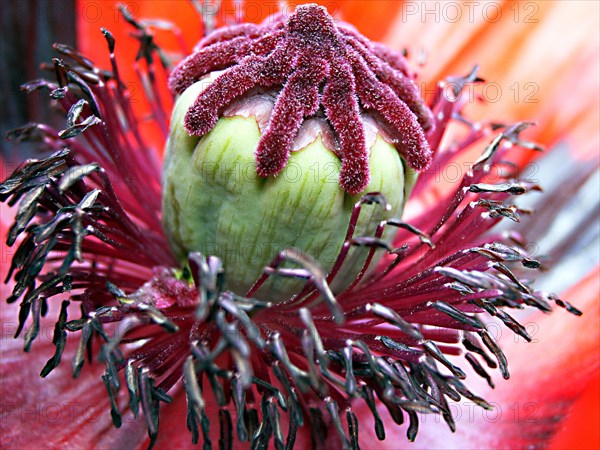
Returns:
<point x="373" y="337"/>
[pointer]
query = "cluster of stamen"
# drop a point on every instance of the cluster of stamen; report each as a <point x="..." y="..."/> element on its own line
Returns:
<point x="79" y="235"/>
<point x="319" y="68"/>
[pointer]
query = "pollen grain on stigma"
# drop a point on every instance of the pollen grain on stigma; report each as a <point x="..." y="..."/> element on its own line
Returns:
<point x="319" y="66"/>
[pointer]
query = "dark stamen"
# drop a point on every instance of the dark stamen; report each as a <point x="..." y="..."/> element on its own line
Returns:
<point x="81" y="236"/>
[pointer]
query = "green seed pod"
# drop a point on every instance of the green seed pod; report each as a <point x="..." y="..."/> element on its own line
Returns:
<point x="214" y="202"/>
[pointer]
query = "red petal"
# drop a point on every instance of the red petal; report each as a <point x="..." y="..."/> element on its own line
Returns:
<point x="580" y="429"/>
<point x="538" y="57"/>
